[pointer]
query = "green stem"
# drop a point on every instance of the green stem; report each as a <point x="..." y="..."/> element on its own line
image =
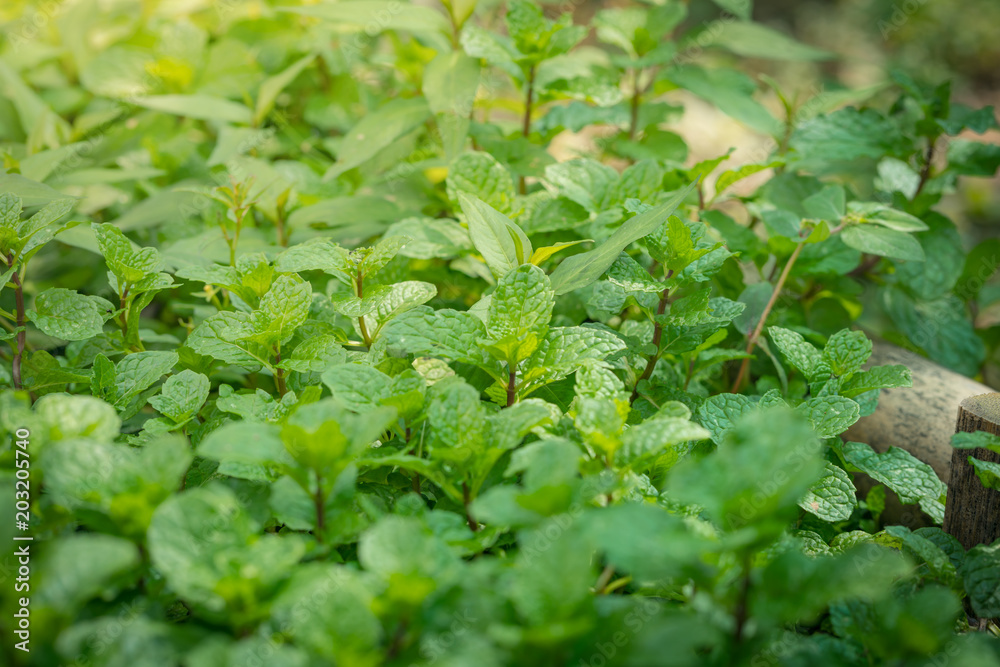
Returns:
<point x="925" y="172"/>
<point x="657" y="334"/>
<point x="633" y="127"/>
<point x="466" y="501"/>
<point x="236" y="237"/>
<point x="360" y="292"/>
<point x="279" y="374"/>
<point x="690" y="373"/>
<point x="280" y="225"/>
<point x="123" y="315"/>
<point x="526" y="122"/>
<point x="752" y="341"/>
<point x="512" y="386"/>
<point x="407" y="436"/>
<point x="21" y="334"/>
<point x="602" y="581"/>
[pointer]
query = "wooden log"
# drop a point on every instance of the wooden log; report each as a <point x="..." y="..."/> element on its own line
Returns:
<point x="972" y="512"/>
<point x="920" y="420"/>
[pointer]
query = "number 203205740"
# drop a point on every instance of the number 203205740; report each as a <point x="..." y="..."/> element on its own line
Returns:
<point x="22" y="493"/>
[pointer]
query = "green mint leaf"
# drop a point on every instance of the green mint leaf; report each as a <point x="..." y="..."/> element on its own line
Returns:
<point x="630" y="276"/>
<point x="522" y="303"/>
<point x="10" y="220"/>
<point x="976" y="440"/>
<point x="137" y="372"/>
<point x="830" y="415"/>
<point x="128" y="264"/>
<point x="883" y="241"/>
<point x="583" y="181"/>
<point x="911" y="479"/>
<point x="282" y="310"/>
<point x="67" y="417"/>
<point x="182" y="395"/>
<point x="398" y="299"/>
<point x="380" y="254"/>
<point x="657" y="441"/>
<point x="981" y="575"/>
<point x="800" y="353"/>
<point x="51" y="212"/>
<point x="358" y="388"/>
<point x="987" y="472"/>
<point x="587" y="267"/>
<point x="315" y="355"/>
<point x="450" y="82"/>
<point x="226" y="336"/>
<point x="376" y="131"/>
<point x="780" y="222"/>
<point x="482" y="176"/>
<point x="314" y="255"/>
<point x="449" y="334"/>
<point x="760" y="441"/>
<point x="833" y="498"/>
<point x="246" y="444"/>
<point x="65" y="314"/>
<point x="878" y="377"/>
<point x="718" y="413"/>
<point x="344" y="626"/>
<point x="846" y="351"/>
<point x="828" y="204"/>
<point x="501" y="243"/>
<point x="255" y="406"/>
<point x="197" y="536"/>
<point x="107" y="478"/>
<point x="431" y="238"/>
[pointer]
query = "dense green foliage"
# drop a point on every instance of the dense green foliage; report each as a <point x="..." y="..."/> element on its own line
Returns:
<point x="326" y="359"/>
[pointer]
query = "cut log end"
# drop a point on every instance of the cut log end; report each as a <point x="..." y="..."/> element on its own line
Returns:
<point x="972" y="510"/>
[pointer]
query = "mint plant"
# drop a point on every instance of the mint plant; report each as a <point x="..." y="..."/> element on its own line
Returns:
<point x="354" y="362"/>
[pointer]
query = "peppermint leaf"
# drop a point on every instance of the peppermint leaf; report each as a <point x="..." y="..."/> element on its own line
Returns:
<point x="833" y="497"/>
<point x="182" y="395"/>
<point x="63" y="313"/>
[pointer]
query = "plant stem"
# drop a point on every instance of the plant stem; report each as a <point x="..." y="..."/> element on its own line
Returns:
<point x="21" y="334"/>
<point x="512" y="386"/>
<point x="236" y="236"/>
<point x="320" y="503"/>
<point x="526" y="124"/>
<point x="416" y="476"/>
<point x="752" y="341"/>
<point x="633" y="127"/>
<point x="467" y="500"/>
<point x="657" y="334"/>
<point x="925" y="172"/>
<point x="280" y="224"/>
<point x="690" y="373"/>
<point x="398" y="637"/>
<point x="741" y="601"/>
<point x="604" y="579"/>
<point x="123" y="316"/>
<point x="279" y="375"/>
<point x="360" y="291"/>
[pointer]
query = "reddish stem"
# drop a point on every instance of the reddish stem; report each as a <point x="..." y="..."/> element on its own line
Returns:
<point x="752" y="341"/>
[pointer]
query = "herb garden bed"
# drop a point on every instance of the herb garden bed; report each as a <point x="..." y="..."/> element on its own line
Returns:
<point x="317" y="355"/>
